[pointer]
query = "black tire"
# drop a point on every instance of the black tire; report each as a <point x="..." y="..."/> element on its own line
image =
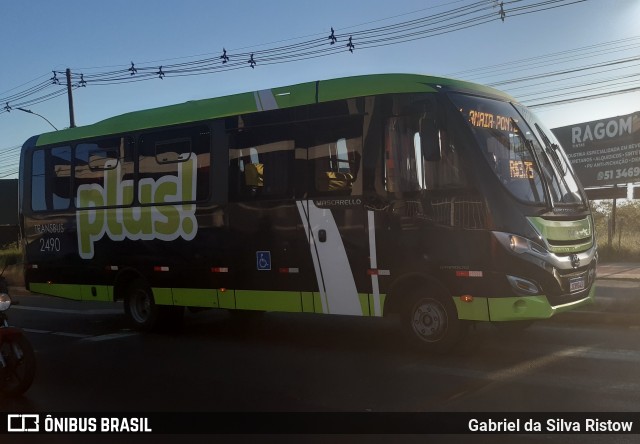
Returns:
<point x="430" y="321"/>
<point x="17" y="376"/>
<point x="140" y="306"/>
<point x="145" y="315"/>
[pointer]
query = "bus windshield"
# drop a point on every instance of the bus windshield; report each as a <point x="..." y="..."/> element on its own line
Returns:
<point x="563" y="185"/>
<point x="511" y="144"/>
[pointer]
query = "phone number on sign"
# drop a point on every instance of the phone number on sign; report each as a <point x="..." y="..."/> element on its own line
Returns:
<point x="623" y="173"/>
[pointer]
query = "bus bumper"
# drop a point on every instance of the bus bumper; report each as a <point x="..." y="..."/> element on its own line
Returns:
<point x="518" y="308"/>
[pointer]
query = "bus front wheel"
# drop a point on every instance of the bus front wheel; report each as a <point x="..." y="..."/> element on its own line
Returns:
<point x="430" y="320"/>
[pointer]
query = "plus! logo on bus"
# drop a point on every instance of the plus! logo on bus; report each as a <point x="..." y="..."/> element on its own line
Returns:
<point x="165" y="222"/>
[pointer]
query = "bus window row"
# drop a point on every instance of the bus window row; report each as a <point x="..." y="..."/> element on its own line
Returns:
<point x="266" y="162"/>
<point x="296" y="160"/>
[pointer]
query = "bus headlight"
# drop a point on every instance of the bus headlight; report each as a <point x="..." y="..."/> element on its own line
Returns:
<point x="519" y="244"/>
<point x="5" y="301"/>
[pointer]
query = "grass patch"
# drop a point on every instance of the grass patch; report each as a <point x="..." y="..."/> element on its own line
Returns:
<point x="624" y="244"/>
<point x="9" y="256"/>
<point x="11" y="265"/>
<point x="624" y="248"/>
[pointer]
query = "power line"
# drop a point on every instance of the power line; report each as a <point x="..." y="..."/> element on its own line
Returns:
<point x="320" y="45"/>
<point x="424" y="27"/>
<point x="11" y="173"/>
<point x="588" y="97"/>
<point x="545" y="60"/>
<point x="298" y="38"/>
<point x="23" y="84"/>
<point x="566" y="71"/>
<point x="455" y="19"/>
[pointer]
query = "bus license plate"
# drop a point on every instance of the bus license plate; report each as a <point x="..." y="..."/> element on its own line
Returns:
<point x="576" y="284"/>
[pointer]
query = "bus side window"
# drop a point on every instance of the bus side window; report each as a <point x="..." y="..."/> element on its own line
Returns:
<point x="407" y="166"/>
<point x="335" y="156"/>
<point x="96" y="162"/>
<point x="261" y="163"/>
<point x="404" y="167"/>
<point x="167" y="153"/>
<point x="447" y="172"/>
<point x="51" y="179"/>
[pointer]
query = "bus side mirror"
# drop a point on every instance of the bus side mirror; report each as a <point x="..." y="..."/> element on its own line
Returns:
<point x="430" y="140"/>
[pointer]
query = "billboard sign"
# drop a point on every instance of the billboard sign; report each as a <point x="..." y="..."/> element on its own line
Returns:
<point x="604" y="152"/>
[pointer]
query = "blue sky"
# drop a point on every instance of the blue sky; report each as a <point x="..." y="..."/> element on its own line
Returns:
<point x="89" y="37"/>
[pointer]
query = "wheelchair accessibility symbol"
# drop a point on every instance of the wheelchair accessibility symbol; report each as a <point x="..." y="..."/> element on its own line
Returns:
<point x="263" y="260"/>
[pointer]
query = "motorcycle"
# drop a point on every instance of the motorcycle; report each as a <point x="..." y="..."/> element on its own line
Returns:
<point x="17" y="359"/>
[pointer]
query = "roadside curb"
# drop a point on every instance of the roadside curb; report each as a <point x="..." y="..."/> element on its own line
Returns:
<point x="617" y="277"/>
<point x="624" y="271"/>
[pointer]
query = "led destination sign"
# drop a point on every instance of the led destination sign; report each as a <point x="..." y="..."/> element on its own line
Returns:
<point x="521" y="169"/>
<point x="518" y="169"/>
<point x="482" y="119"/>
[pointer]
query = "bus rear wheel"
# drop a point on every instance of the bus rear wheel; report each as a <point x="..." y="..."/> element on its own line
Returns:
<point x="140" y="307"/>
<point x="430" y="321"/>
<point x="145" y="315"/>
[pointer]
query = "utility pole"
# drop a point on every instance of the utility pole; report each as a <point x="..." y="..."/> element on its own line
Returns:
<point x="72" y="120"/>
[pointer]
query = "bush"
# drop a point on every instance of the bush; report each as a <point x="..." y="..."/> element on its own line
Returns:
<point x="9" y="256"/>
<point x="624" y="244"/>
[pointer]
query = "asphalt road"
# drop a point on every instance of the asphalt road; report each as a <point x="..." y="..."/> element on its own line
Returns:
<point x="88" y="360"/>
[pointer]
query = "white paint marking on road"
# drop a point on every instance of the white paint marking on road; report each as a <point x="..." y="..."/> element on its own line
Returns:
<point x="70" y="335"/>
<point x="535" y="364"/>
<point x="519" y="370"/>
<point x="82" y="336"/>
<point x="110" y="336"/>
<point x="34" y="330"/>
<point x="103" y="311"/>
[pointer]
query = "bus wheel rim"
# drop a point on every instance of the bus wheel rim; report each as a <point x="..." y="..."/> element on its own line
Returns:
<point x="141" y="306"/>
<point x="429" y="320"/>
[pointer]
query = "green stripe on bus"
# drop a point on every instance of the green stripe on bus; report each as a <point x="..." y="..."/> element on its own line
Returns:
<point x="68" y="291"/>
<point x="531" y="307"/>
<point x="162" y="296"/>
<point x="102" y="293"/>
<point x="226" y="299"/>
<point x="359" y="86"/>
<point x="476" y="310"/>
<point x="519" y="308"/>
<point x="307" y="302"/>
<point x="195" y="297"/>
<point x="372" y="304"/>
<point x="282" y="301"/>
<point x="364" y="304"/>
<point x="317" y="303"/>
<point x="188" y="112"/>
<point x="76" y="292"/>
<point x="295" y="95"/>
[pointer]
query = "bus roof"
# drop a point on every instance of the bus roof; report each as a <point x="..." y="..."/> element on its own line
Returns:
<point x="280" y="97"/>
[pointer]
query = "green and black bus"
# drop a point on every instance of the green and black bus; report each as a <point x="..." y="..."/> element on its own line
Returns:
<point x="441" y="201"/>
